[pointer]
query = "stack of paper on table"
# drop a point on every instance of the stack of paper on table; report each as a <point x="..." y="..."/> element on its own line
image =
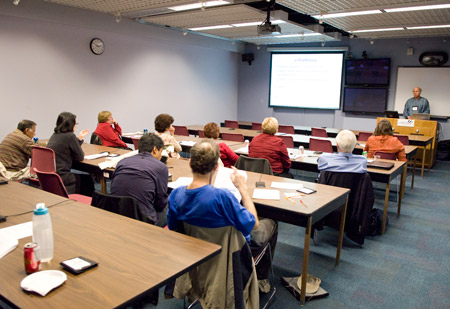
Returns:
<point x="113" y="162"/>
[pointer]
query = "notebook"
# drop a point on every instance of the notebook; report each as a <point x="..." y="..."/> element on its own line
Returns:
<point x="381" y="164"/>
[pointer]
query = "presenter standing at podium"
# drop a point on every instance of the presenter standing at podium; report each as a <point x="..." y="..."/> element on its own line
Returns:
<point x="416" y="105"/>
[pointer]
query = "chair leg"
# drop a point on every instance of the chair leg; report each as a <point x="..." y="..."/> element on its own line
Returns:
<point x="272" y="283"/>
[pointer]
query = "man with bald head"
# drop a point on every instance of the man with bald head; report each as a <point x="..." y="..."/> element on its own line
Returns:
<point x="416" y="105"/>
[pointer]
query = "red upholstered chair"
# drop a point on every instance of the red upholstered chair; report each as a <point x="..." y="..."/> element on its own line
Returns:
<point x="386" y="155"/>
<point x="256" y="126"/>
<point x="404" y="139"/>
<point x="288" y="140"/>
<point x="286" y="129"/>
<point x="319" y="132"/>
<point x="135" y="143"/>
<point x="43" y="159"/>
<point x="181" y="130"/>
<point x="364" y="136"/>
<point x="231" y="124"/>
<point x="51" y="182"/>
<point x="233" y="137"/>
<point x="320" y="145"/>
<point x="201" y="133"/>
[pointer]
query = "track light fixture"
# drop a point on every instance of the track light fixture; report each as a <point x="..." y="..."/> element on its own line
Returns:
<point x="118" y="17"/>
<point x="16" y="2"/>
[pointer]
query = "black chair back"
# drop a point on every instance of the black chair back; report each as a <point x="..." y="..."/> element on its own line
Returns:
<point x="258" y="165"/>
<point x="95" y="139"/>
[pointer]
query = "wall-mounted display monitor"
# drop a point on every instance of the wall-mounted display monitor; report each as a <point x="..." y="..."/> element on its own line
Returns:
<point x="365" y="100"/>
<point x="370" y="72"/>
<point x="306" y="80"/>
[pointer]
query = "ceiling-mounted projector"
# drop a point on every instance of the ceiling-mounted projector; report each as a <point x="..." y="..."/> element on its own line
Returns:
<point x="268" y="28"/>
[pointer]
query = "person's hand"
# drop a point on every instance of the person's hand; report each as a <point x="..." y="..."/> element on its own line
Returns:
<point x="238" y="180"/>
<point x="172" y="130"/>
<point x="409" y="117"/>
<point x="83" y="134"/>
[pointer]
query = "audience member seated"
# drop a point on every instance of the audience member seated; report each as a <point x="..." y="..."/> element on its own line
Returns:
<point x="268" y="146"/>
<point x="145" y="178"/>
<point x="344" y="160"/>
<point x="165" y="130"/>
<point x="15" y="151"/>
<point x="109" y="130"/>
<point x="203" y="205"/>
<point x="228" y="157"/>
<point x="67" y="148"/>
<point x="383" y="139"/>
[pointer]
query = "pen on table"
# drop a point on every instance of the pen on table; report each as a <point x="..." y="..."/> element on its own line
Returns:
<point x="303" y="203"/>
<point x="293" y="202"/>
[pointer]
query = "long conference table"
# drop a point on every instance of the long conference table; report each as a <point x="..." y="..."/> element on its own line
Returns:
<point x="325" y="201"/>
<point x="134" y="258"/>
<point x="313" y="209"/>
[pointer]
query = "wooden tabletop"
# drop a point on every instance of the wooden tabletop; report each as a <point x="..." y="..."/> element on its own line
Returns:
<point x="134" y="257"/>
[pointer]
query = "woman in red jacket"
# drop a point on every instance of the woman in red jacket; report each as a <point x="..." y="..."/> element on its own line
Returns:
<point x="227" y="155"/>
<point x="109" y="130"/>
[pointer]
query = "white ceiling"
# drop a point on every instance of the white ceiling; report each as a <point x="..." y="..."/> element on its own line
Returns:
<point x="155" y="12"/>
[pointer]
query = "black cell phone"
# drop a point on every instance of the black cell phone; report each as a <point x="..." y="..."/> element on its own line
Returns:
<point x="78" y="265"/>
<point x="306" y="190"/>
<point x="260" y="184"/>
<point x="3" y="181"/>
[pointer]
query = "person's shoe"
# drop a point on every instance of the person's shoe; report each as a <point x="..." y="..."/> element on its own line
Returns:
<point x="264" y="285"/>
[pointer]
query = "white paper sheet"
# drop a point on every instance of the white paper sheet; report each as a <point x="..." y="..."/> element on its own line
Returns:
<point x="266" y="194"/>
<point x="10" y="235"/>
<point x="96" y="156"/>
<point x="132" y="133"/>
<point x="181" y="181"/>
<point x="242" y="150"/>
<point x="114" y="161"/>
<point x="223" y="180"/>
<point x="187" y="143"/>
<point x="284" y="185"/>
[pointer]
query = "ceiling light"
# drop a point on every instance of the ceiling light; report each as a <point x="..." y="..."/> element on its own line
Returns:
<point x="198" y="5"/>
<point x="210" y="27"/>
<point x="16" y="2"/>
<point x="118" y="17"/>
<point x="345" y="14"/>
<point x="257" y="23"/>
<point x="296" y="35"/>
<point x="375" y="30"/>
<point x="419" y="8"/>
<point x="428" y="27"/>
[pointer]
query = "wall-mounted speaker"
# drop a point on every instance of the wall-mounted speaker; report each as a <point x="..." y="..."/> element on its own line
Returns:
<point x="248" y="58"/>
<point x="433" y="59"/>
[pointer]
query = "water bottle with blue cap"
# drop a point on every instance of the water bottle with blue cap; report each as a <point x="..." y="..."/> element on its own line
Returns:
<point x="43" y="232"/>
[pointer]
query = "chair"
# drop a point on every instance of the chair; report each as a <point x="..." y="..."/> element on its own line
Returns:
<point x="259" y="165"/>
<point x="42" y="159"/>
<point x="256" y="126"/>
<point x="95" y="139"/>
<point x="231" y="124"/>
<point x="404" y="139"/>
<point x="364" y="136"/>
<point x="233" y="137"/>
<point x="135" y="143"/>
<point x="359" y="205"/>
<point x="319" y="132"/>
<point x="51" y="182"/>
<point x="123" y="205"/>
<point x="227" y="280"/>
<point x="286" y="129"/>
<point x="320" y="145"/>
<point x="288" y="140"/>
<point x="181" y="130"/>
<point x="201" y="133"/>
<point x="386" y="155"/>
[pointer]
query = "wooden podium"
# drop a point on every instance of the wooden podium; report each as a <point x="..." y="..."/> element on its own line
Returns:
<point x="419" y="135"/>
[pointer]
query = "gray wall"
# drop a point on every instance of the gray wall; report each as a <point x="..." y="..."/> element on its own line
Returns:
<point x="47" y="67"/>
<point x="254" y="83"/>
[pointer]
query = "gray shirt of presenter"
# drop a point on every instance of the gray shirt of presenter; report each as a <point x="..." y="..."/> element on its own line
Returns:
<point x="416" y="105"/>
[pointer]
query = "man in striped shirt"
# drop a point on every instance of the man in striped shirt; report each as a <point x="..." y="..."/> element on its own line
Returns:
<point x="15" y="149"/>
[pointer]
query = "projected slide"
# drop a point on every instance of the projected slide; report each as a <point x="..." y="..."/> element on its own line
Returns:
<point x="306" y="80"/>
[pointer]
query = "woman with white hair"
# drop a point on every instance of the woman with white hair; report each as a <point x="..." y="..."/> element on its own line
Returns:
<point x="268" y="146"/>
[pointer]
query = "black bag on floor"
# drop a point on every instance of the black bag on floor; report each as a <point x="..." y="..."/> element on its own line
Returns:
<point x="376" y="222"/>
<point x="443" y="150"/>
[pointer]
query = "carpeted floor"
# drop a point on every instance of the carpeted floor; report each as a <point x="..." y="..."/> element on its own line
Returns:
<point x="408" y="267"/>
